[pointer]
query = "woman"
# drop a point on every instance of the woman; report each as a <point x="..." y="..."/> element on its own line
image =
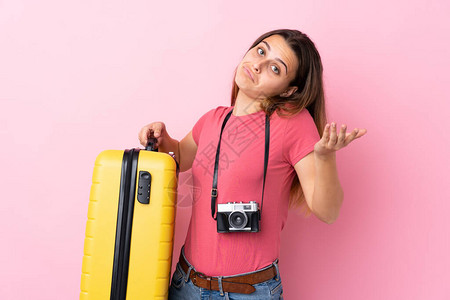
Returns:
<point x="277" y="89"/>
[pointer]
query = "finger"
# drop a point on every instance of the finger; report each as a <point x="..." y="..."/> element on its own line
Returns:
<point x="157" y="130"/>
<point x="341" y="137"/>
<point x="333" y="135"/>
<point x="351" y="136"/>
<point x="361" y="132"/>
<point x="143" y="135"/>
<point x="326" y="133"/>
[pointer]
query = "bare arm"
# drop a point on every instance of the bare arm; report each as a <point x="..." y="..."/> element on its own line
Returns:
<point x="321" y="187"/>
<point x="184" y="150"/>
<point x="318" y="174"/>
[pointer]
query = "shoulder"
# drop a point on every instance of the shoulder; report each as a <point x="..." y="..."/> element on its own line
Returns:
<point x="300" y="129"/>
<point x="300" y="136"/>
<point x="208" y="119"/>
<point x="215" y="113"/>
<point x="211" y="116"/>
<point x="303" y="117"/>
<point x="218" y="111"/>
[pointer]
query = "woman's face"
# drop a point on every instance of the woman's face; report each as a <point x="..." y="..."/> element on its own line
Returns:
<point x="267" y="69"/>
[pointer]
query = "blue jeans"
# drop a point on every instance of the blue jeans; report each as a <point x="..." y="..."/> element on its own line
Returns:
<point x="182" y="287"/>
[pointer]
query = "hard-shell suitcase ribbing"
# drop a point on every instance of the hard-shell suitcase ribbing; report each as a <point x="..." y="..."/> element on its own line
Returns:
<point x="130" y="227"/>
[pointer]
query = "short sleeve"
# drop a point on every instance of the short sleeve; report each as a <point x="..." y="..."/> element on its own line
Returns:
<point x="197" y="129"/>
<point x="300" y="136"/>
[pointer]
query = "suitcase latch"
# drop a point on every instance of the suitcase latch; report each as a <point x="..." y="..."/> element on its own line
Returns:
<point x="144" y="183"/>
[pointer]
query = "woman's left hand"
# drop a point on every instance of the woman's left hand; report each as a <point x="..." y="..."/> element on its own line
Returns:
<point x="332" y="141"/>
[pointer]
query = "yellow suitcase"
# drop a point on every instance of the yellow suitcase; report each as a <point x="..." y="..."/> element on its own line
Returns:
<point x="130" y="227"/>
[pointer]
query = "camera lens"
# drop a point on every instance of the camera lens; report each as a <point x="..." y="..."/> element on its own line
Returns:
<point x="237" y="219"/>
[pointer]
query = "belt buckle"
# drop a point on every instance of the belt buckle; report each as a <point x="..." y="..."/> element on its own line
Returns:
<point x="203" y="276"/>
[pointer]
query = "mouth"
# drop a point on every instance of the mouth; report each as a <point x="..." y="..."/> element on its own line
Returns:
<point x="249" y="73"/>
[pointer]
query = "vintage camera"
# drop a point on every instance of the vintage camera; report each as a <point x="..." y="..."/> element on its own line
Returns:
<point x="238" y="217"/>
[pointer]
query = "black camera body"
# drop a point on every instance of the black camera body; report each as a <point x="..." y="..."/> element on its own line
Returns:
<point x="238" y="217"/>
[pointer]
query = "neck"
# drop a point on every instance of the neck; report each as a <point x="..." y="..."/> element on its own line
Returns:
<point x="245" y="105"/>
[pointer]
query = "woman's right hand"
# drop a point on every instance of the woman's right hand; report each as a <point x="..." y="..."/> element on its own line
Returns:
<point x="156" y="130"/>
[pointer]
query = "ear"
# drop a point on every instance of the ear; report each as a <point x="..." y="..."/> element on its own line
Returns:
<point x="290" y="90"/>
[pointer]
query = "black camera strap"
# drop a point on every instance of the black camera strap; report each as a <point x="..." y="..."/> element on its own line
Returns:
<point x="216" y="164"/>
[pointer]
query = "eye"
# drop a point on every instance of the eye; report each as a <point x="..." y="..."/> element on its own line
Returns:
<point x="275" y="69"/>
<point x="260" y="51"/>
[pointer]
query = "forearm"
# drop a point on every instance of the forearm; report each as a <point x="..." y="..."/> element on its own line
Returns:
<point x="171" y="145"/>
<point x="328" y="194"/>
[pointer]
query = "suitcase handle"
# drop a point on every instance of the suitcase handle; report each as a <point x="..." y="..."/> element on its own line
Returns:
<point x="151" y="147"/>
<point x="151" y="144"/>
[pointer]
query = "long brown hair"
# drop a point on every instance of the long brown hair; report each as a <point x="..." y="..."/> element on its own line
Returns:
<point x="309" y="94"/>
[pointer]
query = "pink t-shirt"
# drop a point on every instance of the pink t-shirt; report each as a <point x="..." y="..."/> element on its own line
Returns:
<point x="240" y="178"/>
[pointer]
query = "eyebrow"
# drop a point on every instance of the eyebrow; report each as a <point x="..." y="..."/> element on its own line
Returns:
<point x="268" y="47"/>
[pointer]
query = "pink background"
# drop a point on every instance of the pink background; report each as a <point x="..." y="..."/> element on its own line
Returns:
<point x="78" y="77"/>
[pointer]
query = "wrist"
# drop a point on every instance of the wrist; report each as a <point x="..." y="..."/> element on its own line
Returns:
<point x="325" y="157"/>
<point x="168" y="145"/>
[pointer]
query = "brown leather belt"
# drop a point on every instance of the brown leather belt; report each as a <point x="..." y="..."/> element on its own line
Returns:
<point x="236" y="284"/>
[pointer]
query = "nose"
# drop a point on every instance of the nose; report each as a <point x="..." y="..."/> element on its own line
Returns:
<point x="257" y="66"/>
